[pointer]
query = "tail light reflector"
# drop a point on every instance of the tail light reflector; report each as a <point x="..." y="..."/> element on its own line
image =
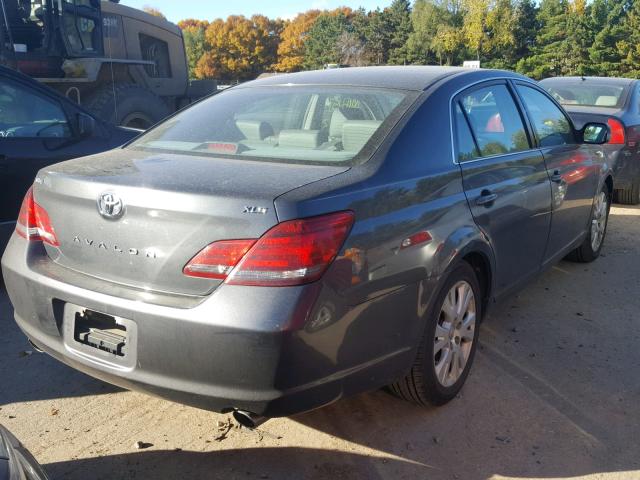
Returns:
<point x="218" y="259"/>
<point x="34" y="223"/>
<point x="416" y="239"/>
<point x="291" y="253"/>
<point x="617" y="132"/>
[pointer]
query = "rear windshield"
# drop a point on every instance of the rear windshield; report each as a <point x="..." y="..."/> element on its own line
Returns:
<point x="301" y="124"/>
<point x="587" y="95"/>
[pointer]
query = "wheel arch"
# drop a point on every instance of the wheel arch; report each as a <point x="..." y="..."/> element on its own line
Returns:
<point x="477" y="252"/>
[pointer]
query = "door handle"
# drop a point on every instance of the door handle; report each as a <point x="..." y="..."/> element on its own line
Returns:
<point x="486" y="199"/>
<point x="556" y="177"/>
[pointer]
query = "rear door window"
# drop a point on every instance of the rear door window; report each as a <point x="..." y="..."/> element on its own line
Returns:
<point x="466" y="145"/>
<point x="550" y="124"/>
<point x="495" y="120"/>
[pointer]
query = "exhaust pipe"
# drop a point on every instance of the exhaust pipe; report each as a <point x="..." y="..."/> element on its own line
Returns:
<point x="248" y="419"/>
<point x="35" y="347"/>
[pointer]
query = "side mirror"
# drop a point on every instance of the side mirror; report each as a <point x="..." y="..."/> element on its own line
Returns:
<point x="86" y="125"/>
<point x="595" y="133"/>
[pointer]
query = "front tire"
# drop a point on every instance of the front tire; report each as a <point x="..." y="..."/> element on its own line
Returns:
<point x="594" y="241"/>
<point x="448" y="348"/>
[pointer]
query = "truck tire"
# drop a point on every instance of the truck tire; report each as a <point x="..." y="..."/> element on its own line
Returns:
<point x="128" y="105"/>
<point x="629" y="196"/>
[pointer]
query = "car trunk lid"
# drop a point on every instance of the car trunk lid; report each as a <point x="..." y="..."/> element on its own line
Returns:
<point x="173" y="207"/>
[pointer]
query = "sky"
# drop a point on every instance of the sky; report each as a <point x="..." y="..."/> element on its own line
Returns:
<point x="177" y="10"/>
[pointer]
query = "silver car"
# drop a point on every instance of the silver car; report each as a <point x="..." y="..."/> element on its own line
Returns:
<point x="304" y="237"/>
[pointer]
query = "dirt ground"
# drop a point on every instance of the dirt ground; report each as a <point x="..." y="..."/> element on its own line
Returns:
<point x="554" y="393"/>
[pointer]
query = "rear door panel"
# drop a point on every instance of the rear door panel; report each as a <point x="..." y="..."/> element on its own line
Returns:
<point x="505" y="180"/>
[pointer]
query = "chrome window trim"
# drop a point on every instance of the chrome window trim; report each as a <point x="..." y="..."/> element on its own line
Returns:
<point x="451" y="126"/>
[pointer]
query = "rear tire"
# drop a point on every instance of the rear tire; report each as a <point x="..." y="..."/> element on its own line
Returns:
<point x="629" y="196"/>
<point x="432" y="380"/>
<point x="129" y="106"/>
<point x="594" y="241"/>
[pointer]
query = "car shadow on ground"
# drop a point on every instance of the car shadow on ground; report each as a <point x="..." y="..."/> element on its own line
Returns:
<point x="27" y="376"/>
<point x="552" y="395"/>
<point x="262" y="463"/>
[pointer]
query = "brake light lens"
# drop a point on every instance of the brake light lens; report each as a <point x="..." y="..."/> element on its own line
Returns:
<point x="617" y="132"/>
<point x="292" y="253"/>
<point x="34" y="223"/>
<point x="218" y="259"/>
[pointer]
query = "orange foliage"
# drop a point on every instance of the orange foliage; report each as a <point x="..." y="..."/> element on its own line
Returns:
<point x="239" y="48"/>
<point x="291" y="49"/>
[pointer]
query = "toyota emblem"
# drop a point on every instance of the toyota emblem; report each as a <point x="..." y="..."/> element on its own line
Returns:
<point x="110" y="206"/>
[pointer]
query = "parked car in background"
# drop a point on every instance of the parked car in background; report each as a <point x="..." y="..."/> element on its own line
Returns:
<point x="304" y="237"/>
<point x="615" y="101"/>
<point x="38" y="127"/>
<point x="16" y="463"/>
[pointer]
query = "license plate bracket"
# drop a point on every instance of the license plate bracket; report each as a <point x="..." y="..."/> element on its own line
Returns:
<point x="100" y="331"/>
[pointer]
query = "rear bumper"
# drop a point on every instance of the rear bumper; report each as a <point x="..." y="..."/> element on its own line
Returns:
<point x="254" y="349"/>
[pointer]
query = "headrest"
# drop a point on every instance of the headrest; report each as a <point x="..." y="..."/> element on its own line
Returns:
<point x="356" y="133"/>
<point x="337" y="121"/>
<point x="607" y="101"/>
<point x="299" y="138"/>
<point x="254" y="129"/>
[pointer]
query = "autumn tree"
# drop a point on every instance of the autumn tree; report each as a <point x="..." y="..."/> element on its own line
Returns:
<point x="291" y="50"/>
<point x="239" y="48"/>
<point x="437" y="35"/>
<point x="153" y="11"/>
<point x="499" y="45"/>
<point x="195" y="45"/>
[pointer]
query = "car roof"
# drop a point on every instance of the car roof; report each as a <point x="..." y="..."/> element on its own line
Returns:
<point x="623" y="82"/>
<point x="416" y="78"/>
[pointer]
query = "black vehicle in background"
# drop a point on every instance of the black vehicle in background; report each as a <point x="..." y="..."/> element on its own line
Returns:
<point x="38" y="128"/>
<point x="615" y="101"/>
<point x="16" y="463"/>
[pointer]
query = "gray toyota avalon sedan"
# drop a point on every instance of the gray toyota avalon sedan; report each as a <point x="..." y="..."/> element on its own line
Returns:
<point x="304" y="237"/>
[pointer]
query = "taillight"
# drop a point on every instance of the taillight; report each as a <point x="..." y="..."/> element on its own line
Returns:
<point x="34" y="223"/>
<point x="617" y="136"/>
<point x="292" y="253"/>
<point x="218" y="259"/>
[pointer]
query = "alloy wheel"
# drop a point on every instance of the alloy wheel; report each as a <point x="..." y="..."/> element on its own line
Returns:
<point x="599" y="221"/>
<point x="455" y="334"/>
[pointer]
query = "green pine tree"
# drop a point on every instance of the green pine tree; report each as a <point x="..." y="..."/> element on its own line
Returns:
<point x="321" y="44"/>
<point x="398" y="17"/>
<point x="608" y="20"/>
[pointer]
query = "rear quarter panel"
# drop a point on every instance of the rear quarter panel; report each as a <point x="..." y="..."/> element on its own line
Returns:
<point x="381" y="293"/>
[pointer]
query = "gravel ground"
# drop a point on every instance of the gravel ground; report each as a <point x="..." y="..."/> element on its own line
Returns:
<point x="554" y="393"/>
